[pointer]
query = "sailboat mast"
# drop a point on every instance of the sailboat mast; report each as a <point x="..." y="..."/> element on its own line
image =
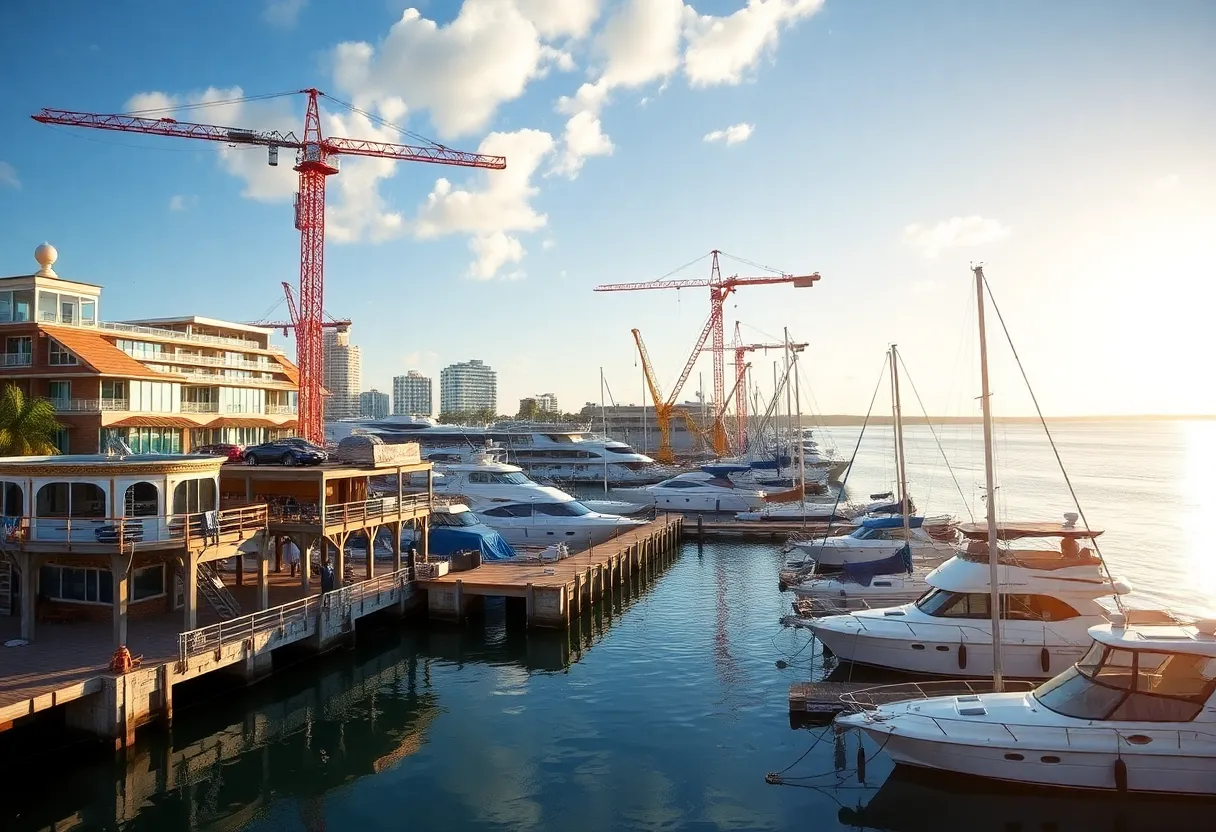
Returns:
<point x="798" y="405"/>
<point x="899" y="442"/>
<point x="604" y="420"/>
<point x="998" y="681"/>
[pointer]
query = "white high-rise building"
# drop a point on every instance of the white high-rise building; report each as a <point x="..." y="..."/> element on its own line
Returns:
<point x="412" y="394"/>
<point x="547" y="403"/>
<point x="470" y="385"/>
<point x="343" y="375"/>
<point x="373" y="404"/>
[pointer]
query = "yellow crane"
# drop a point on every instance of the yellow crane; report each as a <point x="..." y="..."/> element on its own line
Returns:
<point x="664" y="407"/>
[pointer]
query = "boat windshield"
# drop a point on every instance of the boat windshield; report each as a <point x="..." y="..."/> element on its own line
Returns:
<point x="507" y="478"/>
<point x="1112" y="683"/>
<point x="461" y="518"/>
<point x="570" y="508"/>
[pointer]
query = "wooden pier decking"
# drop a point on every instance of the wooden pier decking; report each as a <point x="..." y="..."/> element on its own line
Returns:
<point x="554" y="591"/>
<point x="699" y="528"/>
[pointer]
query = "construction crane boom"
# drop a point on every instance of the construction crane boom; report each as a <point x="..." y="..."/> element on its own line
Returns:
<point x="293" y="318"/>
<point x="741" y="350"/>
<point x="719" y="289"/>
<point x="313" y="163"/>
<point x="665" y="407"/>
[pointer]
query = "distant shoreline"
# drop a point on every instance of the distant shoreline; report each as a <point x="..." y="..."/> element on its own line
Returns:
<point x="837" y="420"/>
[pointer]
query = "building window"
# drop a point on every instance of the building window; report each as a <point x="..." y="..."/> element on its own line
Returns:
<point x="141" y="500"/>
<point x="148" y="582"/>
<point x="59" y="391"/>
<point x="194" y="497"/>
<point x="82" y="586"/>
<point x="14" y="499"/>
<point x="75" y="499"/>
<point x="18" y="352"/>
<point x="88" y="312"/>
<point x="60" y="355"/>
<point x="145" y="440"/>
<point x="113" y="390"/>
<point x="61" y="441"/>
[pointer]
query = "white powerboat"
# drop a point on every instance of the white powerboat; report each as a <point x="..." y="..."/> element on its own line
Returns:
<point x="565" y="453"/>
<point x="876" y="539"/>
<point x="1136" y="713"/>
<point x="857" y="589"/>
<point x="824" y="510"/>
<point x="694" y="491"/>
<point x="524" y="511"/>
<point x="1049" y="600"/>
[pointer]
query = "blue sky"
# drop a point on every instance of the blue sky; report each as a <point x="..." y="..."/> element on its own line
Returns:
<point x="1067" y="145"/>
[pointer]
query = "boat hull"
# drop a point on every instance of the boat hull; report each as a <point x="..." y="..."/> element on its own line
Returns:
<point x="1060" y="766"/>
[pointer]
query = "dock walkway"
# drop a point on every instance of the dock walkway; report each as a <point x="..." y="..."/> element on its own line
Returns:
<point x="554" y="591"/>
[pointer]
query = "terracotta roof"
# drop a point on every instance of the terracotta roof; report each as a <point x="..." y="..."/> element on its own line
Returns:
<point x="289" y="369"/>
<point x="236" y="422"/>
<point x="101" y="354"/>
<point x="154" y="422"/>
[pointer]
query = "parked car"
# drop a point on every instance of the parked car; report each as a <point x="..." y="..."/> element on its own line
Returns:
<point x="290" y="451"/>
<point x="231" y="452"/>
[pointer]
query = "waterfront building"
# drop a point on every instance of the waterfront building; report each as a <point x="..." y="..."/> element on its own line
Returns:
<point x="637" y="426"/>
<point x="161" y="385"/>
<point x="343" y="374"/>
<point x="373" y="404"/>
<point x="412" y="395"/>
<point x="470" y="385"/>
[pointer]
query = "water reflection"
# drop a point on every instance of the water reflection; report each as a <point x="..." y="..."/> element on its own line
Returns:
<point x="916" y="801"/>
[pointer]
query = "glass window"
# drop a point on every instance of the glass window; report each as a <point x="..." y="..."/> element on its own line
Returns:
<point x="52" y="500"/>
<point x="88" y="500"/>
<point x="573" y="508"/>
<point x="48" y="306"/>
<point x="478" y="477"/>
<point x="88" y="311"/>
<point x="6" y="307"/>
<point x="194" y="496"/>
<point x="23" y="305"/>
<point x="13" y="499"/>
<point x="1036" y="608"/>
<point x="112" y="389"/>
<point x="141" y="500"/>
<point x="77" y="499"/>
<point x="518" y="510"/>
<point x="64" y="583"/>
<point x="59" y="355"/>
<point x="59" y="391"/>
<point x="148" y="582"/>
<point x="955" y="604"/>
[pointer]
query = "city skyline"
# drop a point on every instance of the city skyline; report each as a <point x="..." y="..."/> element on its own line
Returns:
<point x="765" y="129"/>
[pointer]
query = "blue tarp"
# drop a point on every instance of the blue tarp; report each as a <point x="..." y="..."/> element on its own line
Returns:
<point x="447" y="540"/>
<point x="895" y="522"/>
<point x="863" y="573"/>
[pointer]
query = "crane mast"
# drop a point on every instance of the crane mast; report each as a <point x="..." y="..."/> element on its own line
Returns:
<point x="315" y="164"/>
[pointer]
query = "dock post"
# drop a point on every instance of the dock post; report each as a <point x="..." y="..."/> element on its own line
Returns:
<point x="529" y="602"/>
<point x="459" y="593"/>
<point x="578" y="595"/>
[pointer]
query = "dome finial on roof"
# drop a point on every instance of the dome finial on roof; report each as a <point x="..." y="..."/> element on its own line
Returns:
<point x="46" y="255"/>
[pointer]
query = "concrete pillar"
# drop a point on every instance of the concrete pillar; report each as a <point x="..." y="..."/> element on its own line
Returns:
<point x="340" y="562"/>
<point x="263" y="578"/>
<point x="190" y="609"/>
<point x="122" y="597"/>
<point x="278" y="553"/>
<point x="371" y="553"/>
<point x="305" y="545"/>
<point x="29" y="565"/>
<point x="424" y="524"/>
<point x="395" y="529"/>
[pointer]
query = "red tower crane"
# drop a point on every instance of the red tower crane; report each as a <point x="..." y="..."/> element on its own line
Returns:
<point x="293" y="317"/>
<point x="314" y="162"/>
<point x="741" y="351"/>
<point x="719" y="288"/>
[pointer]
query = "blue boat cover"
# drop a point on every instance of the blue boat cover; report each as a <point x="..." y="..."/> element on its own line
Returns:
<point x="783" y="461"/>
<point x="863" y="573"/>
<point x="894" y="522"/>
<point x="447" y="540"/>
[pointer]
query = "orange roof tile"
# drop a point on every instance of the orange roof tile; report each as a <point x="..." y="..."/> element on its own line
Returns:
<point x="154" y="422"/>
<point x="237" y="422"/>
<point x="289" y="369"/>
<point x="101" y="354"/>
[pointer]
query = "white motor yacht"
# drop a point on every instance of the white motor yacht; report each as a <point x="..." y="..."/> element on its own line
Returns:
<point x="1137" y="713"/>
<point x="1049" y="600"/>
<point x="694" y="491"/>
<point x="821" y="510"/>
<point x="877" y="538"/>
<point x="522" y="510"/>
<point x="853" y="590"/>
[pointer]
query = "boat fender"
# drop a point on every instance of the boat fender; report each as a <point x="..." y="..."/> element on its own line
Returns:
<point x="861" y="764"/>
<point x="962" y="657"/>
<point x="1121" y="776"/>
<point x="1045" y="659"/>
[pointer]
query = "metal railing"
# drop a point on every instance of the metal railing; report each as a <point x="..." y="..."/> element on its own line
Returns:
<point x="281" y="410"/>
<point x="196" y="529"/>
<point x="208" y="360"/>
<point x="90" y="405"/>
<point x="867" y="699"/>
<point x="338" y="602"/>
<point x="213" y="637"/>
<point x="200" y="407"/>
<point x="158" y="332"/>
<point x="363" y="510"/>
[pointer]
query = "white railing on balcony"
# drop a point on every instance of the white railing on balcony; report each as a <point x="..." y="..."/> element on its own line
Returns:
<point x="200" y="407"/>
<point x="200" y="529"/>
<point x="18" y="359"/>
<point x="89" y="405"/>
<point x="281" y="410"/>
<point x="207" y="361"/>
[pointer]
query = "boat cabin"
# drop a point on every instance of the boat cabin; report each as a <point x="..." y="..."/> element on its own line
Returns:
<point x="1159" y="672"/>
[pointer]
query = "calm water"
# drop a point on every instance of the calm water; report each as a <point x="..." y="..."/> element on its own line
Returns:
<point x="663" y="711"/>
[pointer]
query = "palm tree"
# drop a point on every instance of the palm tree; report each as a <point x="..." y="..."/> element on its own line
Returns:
<point x="27" y="425"/>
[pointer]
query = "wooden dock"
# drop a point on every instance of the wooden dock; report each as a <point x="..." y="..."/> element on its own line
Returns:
<point x="554" y="591"/>
<point x="698" y="528"/>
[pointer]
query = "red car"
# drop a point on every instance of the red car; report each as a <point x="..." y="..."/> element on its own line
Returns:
<point x="230" y="452"/>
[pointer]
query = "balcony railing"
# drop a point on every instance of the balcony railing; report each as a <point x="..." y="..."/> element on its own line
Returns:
<point x="90" y="405"/>
<point x="200" y="407"/>
<point x="18" y="359"/>
<point x="281" y="410"/>
<point x="196" y="529"/>
<point x="358" y="512"/>
<point x="149" y="331"/>
<point x="207" y="361"/>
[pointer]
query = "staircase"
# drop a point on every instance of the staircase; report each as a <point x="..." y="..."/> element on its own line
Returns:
<point x="211" y="585"/>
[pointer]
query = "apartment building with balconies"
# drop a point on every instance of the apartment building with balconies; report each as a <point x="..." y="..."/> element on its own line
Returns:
<point x="159" y="385"/>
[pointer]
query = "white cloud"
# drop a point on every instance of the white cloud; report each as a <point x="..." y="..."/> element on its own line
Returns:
<point x="722" y="49"/>
<point x="283" y="13"/>
<point x="8" y="176"/>
<point x="734" y="134"/>
<point x="557" y="18"/>
<point x="1168" y="182"/>
<point x="583" y="137"/>
<point x="956" y="232"/>
<point x="641" y="42"/>
<point x="493" y="204"/>
<point x="548" y="243"/>
<point x="182" y="202"/>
